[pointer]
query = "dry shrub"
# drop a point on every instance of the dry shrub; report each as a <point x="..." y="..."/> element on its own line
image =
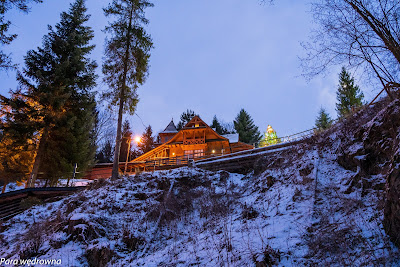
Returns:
<point x="306" y="170"/>
<point x="84" y="230"/>
<point x="187" y="183"/>
<point x="140" y="196"/>
<point x="76" y="202"/>
<point x="96" y="184"/>
<point x="249" y="213"/>
<point x="213" y="205"/>
<point x="28" y="202"/>
<point x="332" y="243"/>
<point x="133" y="242"/>
<point x="99" y="256"/>
<point x="33" y="241"/>
<point x="163" y="184"/>
<point x="172" y="207"/>
<point x="297" y="195"/>
<point x="268" y="258"/>
<point x="223" y="176"/>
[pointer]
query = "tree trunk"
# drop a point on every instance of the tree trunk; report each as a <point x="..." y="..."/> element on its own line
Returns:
<point x="115" y="169"/>
<point x="39" y="155"/>
<point x="127" y="156"/>
<point x="114" y="174"/>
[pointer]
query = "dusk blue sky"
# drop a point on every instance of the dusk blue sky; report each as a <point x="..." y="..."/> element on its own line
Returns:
<point x="214" y="57"/>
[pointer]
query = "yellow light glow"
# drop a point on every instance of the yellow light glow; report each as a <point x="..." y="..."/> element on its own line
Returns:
<point x="213" y="151"/>
<point x="173" y="154"/>
<point x="137" y="139"/>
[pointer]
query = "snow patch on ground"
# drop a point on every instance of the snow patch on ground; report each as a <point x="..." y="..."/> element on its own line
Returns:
<point x="226" y="219"/>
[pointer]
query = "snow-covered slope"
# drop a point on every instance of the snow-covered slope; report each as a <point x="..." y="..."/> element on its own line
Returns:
<point x="305" y="206"/>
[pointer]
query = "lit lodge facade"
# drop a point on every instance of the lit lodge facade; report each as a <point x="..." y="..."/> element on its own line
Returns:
<point x="196" y="140"/>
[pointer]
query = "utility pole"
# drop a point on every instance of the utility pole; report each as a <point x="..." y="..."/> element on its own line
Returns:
<point x="127" y="155"/>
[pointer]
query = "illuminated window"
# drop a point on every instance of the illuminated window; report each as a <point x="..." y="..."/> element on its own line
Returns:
<point x="190" y="154"/>
<point x="199" y="153"/>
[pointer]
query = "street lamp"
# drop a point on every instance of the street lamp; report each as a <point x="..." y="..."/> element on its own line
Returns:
<point x="138" y="139"/>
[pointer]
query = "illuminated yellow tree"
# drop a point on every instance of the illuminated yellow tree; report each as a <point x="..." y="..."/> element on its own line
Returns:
<point x="17" y="151"/>
<point x="270" y="137"/>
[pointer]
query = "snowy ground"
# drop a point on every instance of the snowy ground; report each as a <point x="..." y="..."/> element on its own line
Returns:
<point x="63" y="182"/>
<point x="209" y="219"/>
<point x="299" y="207"/>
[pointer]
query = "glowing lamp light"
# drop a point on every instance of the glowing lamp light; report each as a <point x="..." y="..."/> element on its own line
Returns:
<point x="173" y="154"/>
<point x="213" y="151"/>
<point x="137" y="139"/>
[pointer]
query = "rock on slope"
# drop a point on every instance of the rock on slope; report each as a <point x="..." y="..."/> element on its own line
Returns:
<point x="320" y="202"/>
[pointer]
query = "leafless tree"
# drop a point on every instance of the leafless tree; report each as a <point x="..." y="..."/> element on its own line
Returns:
<point x="105" y="126"/>
<point x="363" y="34"/>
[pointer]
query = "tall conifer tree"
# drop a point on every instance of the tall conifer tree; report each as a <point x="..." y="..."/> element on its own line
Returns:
<point x="244" y="126"/>
<point x="348" y="95"/>
<point x="127" y="59"/>
<point x="217" y="126"/>
<point x="147" y="140"/>
<point x="185" y="118"/>
<point x="58" y="79"/>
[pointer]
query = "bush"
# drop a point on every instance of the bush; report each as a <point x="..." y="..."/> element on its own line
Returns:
<point x="132" y="241"/>
<point x="28" y="202"/>
<point x="268" y="258"/>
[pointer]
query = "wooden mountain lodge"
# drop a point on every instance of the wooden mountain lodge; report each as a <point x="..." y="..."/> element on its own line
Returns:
<point x="195" y="141"/>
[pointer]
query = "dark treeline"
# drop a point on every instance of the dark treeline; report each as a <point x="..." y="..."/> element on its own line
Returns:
<point x="52" y="121"/>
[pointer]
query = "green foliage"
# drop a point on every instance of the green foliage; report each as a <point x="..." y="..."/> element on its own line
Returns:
<point x="126" y="138"/>
<point x="219" y="128"/>
<point x="16" y="157"/>
<point x="127" y="52"/>
<point x="244" y="126"/>
<point x="185" y="118"/>
<point x="147" y="140"/>
<point x="5" y="39"/>
<point x="349" y="95"/>
<point x="323" y="120"/>
<point x="106" y="153"/>
<point x="57" y="99"/>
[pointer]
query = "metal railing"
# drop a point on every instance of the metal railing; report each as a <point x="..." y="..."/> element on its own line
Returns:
<point x="290" y="138"/>
<point x="178" y="160"/>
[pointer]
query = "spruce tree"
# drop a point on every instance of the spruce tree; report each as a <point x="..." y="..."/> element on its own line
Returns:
<point x="56" y="83"/>
<point x="126" y="140"/>
<point x="244" y="126"/>
<point x="217" y="126"/>
<point x="106" y="153"/>
<point x="185" y="118"/>
<point x="349" y="95"/>
<point x="323" y="120"/>
<point x="127" y="60"/>
<point x="146" y="141"/>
